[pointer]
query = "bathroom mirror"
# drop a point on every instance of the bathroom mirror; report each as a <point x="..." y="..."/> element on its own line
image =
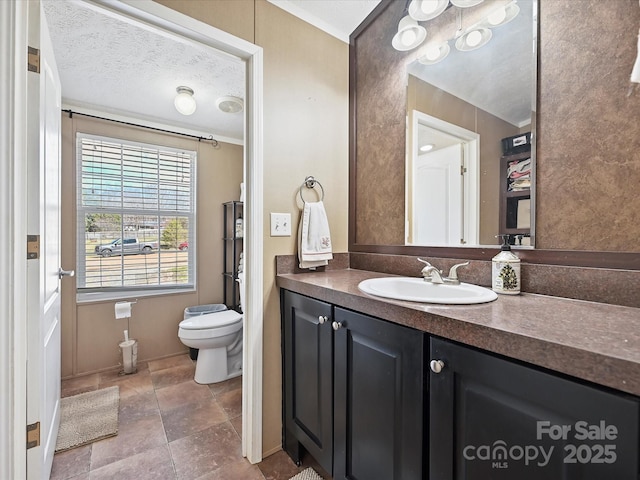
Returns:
<point x="585" y="195"/>
<point x="459" y="109"/>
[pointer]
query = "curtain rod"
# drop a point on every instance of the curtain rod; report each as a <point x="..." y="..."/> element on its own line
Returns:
<point x="213" y="141"/>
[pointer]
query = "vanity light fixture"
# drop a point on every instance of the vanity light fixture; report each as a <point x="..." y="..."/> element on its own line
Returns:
<point x="502" y="15"/>
<point x="184" y="101"/>
<point x="435" y="54"/>
<point x="409" y="35"/>
<point x="473" y="39"/>
<point x="422" y="10"/>
<point x="229" y="104"/>
<point x="466" y="3"/>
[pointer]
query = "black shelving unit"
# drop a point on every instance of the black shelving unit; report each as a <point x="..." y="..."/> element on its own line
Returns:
<point x="232" y="247"/>
<point x="510" y="199"/>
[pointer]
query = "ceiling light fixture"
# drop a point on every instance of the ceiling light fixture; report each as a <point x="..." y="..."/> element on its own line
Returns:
<point x="229" y="104"/>
<point x="409" y="35"/>
<point x="427" y="148"/>
<point x="422" y="10"/>
<point x="184" y="101"/>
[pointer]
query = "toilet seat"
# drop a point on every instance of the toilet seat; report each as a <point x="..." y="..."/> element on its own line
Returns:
<point x="211" y="320"/>
<point x="210" y="325"/>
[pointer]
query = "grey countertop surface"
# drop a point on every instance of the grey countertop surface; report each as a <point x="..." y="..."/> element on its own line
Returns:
<point x="596" y="342"/>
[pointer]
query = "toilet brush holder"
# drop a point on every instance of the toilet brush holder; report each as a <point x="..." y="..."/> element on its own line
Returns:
<point x="129" y="355"/>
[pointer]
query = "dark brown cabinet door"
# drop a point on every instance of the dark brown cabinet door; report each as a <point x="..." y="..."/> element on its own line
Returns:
<point x="494" y="419"/>
<point x="307" y="378"/>
<point x="378" y="406"/>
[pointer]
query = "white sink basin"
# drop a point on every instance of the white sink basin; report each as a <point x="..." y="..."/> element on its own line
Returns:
<point x="417" y="290"/>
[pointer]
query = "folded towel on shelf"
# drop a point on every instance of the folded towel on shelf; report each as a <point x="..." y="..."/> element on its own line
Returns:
<point x="519" y="168"/>
<point x="314" y="239"/>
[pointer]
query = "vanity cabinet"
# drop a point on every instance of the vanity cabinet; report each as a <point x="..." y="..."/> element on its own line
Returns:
<point x="353" y="391"/>
<point x="307" y="351"/>
<point x="495" y="418"/>
<point x="378" y="406"/>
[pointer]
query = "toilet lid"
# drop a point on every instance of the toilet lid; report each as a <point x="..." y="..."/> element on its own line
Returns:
<point x="211" y="320"/>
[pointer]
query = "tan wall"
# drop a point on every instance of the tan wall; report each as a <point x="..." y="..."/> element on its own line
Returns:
<point x="233" y="16"/>
<point x="306" y="110"/>
<point x="90" y="333"/>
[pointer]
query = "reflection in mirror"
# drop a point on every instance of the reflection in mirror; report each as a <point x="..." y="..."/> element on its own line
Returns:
<point x="465" y="104"/>
<point x="441" y="153"/>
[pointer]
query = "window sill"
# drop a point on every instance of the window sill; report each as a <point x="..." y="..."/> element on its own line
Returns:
<point x="96" y="297"/>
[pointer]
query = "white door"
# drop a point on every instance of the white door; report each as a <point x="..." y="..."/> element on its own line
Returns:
<point x="438" y="202"/>
<point x="43" y="220"/>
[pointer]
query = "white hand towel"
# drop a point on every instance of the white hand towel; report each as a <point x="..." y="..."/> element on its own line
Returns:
<point x="314" y="238"/>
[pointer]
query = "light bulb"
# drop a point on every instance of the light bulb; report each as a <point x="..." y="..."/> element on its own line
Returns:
<point x="428" y="6"/>
<point x="409" y="34"/>
<point x="473" y="38"/>
<point x="408" y="37"/>
<point x="497" y="17"/>
<point x="426" y="148"/>
<point x="184" y="101"/>
<point x="432" y="53"/>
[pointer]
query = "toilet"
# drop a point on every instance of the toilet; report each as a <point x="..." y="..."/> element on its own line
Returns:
<point x="218" y="336"/>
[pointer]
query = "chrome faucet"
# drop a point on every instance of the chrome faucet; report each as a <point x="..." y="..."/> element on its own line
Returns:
<point x="433" y="275"/>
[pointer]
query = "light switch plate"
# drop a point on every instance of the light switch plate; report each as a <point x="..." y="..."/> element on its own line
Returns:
<point x="280" y="224"/>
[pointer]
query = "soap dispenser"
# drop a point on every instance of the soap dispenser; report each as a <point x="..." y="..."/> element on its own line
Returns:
<point x="505" y="271"/>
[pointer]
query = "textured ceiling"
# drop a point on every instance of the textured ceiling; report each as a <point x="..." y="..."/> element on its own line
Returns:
<point x="113" y="66"/>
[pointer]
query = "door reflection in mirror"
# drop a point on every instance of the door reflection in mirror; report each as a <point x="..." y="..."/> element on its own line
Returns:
<point x="442" y="183"/>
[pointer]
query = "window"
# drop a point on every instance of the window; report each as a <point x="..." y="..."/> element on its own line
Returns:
<point x="136" y="216"/>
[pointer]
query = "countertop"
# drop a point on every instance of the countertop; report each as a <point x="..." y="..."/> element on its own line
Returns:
<point x="592" y="341"/>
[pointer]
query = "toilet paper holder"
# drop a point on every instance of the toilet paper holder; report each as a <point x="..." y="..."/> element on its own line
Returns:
<point x="123" y="309"/>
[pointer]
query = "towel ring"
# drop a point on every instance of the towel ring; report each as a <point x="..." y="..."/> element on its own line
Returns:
<point x="311" y="182"/>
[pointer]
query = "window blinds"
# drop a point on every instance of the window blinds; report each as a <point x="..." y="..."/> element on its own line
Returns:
<point x="135" y="191"/>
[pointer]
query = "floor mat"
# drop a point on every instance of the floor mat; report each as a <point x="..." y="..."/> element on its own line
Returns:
<point x="88" y="417"/>
<point x="307" y="474"/>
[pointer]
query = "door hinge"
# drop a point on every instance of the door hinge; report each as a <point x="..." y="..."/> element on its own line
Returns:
<point x="33" y="60"/>
<point x="33" y="435"/>
<point x="463" y="170"/>
<point x="33" y="247"/>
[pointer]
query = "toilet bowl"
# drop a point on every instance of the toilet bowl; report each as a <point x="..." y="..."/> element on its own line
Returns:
<point x="218" y="336"/>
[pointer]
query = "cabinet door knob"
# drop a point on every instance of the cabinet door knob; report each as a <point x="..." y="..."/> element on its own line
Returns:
<point x="336" y="325"/>
<point x="322" y="319"/>
<point x="436" y="366"/>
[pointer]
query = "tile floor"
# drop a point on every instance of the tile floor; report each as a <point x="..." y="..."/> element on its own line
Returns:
<point x="170" y="428"/>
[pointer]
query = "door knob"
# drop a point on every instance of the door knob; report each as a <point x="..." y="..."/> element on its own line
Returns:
<point x="65" y="273"/>
<point x="322" y="319"/>
<point x="436" y="366"/>
<point x="336" y="325"/>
